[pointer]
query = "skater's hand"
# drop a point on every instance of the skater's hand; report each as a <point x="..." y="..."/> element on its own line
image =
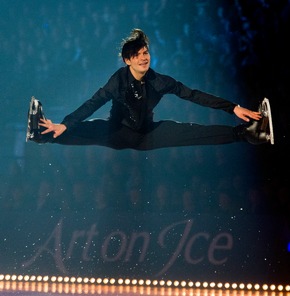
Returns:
<point x="247" y="114"/>
<point x="56" y="128"/>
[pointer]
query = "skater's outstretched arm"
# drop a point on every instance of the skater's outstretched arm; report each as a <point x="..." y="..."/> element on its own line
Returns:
<point x="56" y="128"/>
<point x="246" y="114"/>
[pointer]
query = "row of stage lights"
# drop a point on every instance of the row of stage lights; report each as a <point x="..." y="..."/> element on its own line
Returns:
<point x="138" y="283"/>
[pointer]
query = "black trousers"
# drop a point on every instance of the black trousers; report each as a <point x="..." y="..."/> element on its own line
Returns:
<point x="161" y="134"/>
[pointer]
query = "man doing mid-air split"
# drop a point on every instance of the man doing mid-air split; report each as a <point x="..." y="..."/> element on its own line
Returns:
<point x="135" y="90"/>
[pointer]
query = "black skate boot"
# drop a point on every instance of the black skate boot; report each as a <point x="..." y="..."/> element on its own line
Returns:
<point x="251" y="133"/>
<point x="35" y="113"/>
<point x="257" y="132"/>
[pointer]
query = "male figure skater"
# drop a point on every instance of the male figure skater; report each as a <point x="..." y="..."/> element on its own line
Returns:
<point x="135" y="90"/>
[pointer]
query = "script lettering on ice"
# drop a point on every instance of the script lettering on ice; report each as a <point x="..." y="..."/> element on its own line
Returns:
<point x="183" y="244"/>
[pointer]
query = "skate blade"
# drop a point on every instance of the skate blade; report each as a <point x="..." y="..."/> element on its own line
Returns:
<point x="31" y="111"/>
<point x="266" y="121"/>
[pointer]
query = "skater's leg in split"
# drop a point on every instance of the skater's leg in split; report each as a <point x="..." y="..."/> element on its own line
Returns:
<point x="95" y="132"/>
<point x="173" y="134"/>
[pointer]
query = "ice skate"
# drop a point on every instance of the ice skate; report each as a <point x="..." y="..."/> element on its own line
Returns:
<point x="35" y="113"/>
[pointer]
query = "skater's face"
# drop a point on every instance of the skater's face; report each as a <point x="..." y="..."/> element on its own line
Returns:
<point x="139" y="63"/>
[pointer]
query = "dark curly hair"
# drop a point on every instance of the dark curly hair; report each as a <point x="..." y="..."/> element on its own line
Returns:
<point x="133" y="43"/>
